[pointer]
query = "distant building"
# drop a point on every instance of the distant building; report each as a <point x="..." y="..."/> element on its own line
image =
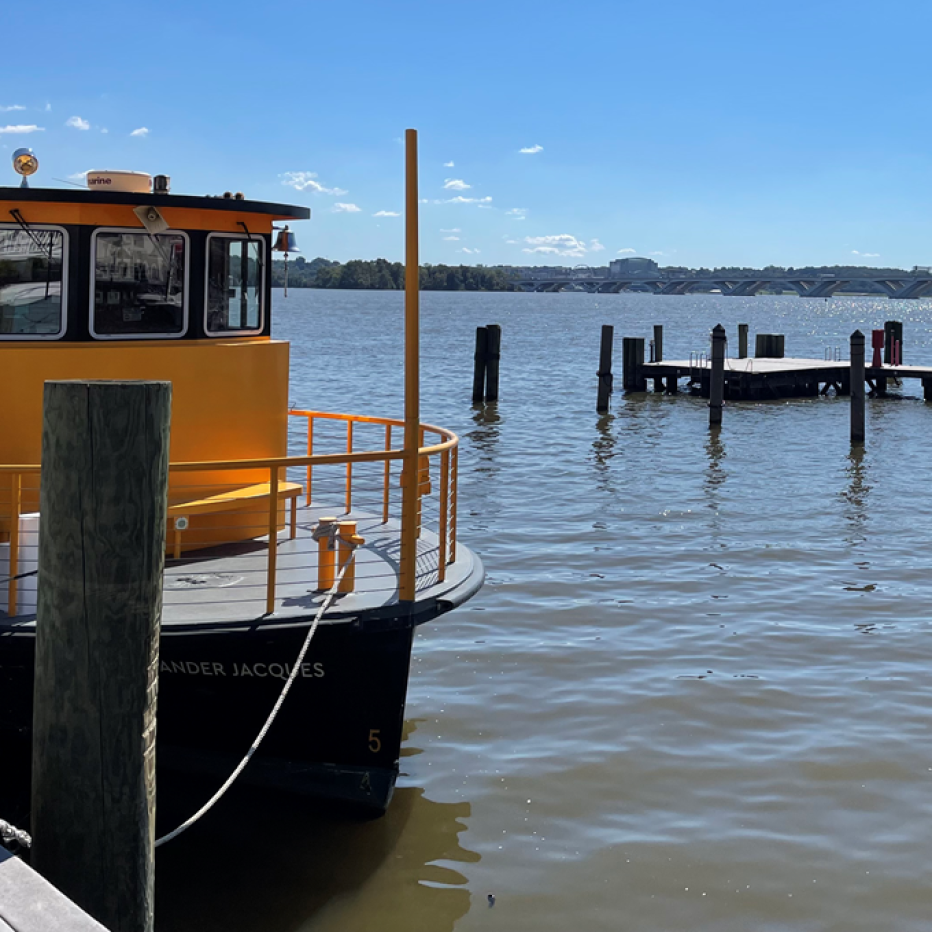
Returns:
<point x="626" y="268"/>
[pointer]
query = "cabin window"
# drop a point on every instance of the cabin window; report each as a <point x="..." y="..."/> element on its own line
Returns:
<point x="32" y="282"/>
<point x="139" y="286"/>
<point x="235" y="270"/>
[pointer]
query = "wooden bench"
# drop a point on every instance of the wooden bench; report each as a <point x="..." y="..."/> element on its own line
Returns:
<point x="228" y="501"/>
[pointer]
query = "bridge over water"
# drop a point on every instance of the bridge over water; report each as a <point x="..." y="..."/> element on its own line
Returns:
<point x="806" y="286"/>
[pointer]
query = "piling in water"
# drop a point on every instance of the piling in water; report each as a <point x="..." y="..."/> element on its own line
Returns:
<point x="492" y="357"/>
<point x="632" y="361"/>
<point x="893" y="343"/>
<point x="605" y="369"/>
<point x="717" y="382"/>
<point x="658" y="353"/>
<point x="478" y="373"/>
<point x="857" y="388"/>
<point x="742" y="341"/>
<point x="101" y="556"/>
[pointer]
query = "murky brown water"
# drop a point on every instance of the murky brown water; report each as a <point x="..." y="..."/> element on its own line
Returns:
<point x="696" y="691"/>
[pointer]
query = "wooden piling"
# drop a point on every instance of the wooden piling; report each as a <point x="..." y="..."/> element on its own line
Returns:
<point x="101" y="555"/>
<point x="927" y="389"/>
<point x="605" y="369"/>
<point x="478" y="373"/>
<point x="632" y="361"/>
<point x="717" y="382"/>
<point x="857" y="388"/>
<point x="742" y="341"/>
<point x="658" y="353"/>
<point x="492" y="358"/>
<point x="893" y="343"/>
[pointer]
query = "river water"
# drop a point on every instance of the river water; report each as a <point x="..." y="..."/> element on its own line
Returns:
<point x="695" y="691"/>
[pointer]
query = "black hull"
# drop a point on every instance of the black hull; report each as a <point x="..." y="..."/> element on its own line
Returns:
<point x="338" y="735"/>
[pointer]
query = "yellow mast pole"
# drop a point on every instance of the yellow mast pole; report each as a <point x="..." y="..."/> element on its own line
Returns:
<point x="409" y="492"/>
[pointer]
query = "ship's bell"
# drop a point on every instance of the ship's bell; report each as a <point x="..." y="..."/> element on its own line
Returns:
<point x="285" y="242"/>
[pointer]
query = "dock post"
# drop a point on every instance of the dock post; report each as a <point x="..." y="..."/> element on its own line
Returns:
<point x="632" y="362"/>
<point x="103" y="502"/>
<point x="717" y="384"/>
<point x="605" y="368"/>
<point x="492" y="357"/>
<point x="742" y="341"/>
<point x="857" y="388"/>
<point x="892" y="343"/>
<point x="927" y="389"/>
<point x="658" y="354"/>
<point x="478" y="373"/>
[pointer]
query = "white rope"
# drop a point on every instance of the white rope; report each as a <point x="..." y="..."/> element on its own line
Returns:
<point x="10" y="833"/>
<point x="275" y="710"/>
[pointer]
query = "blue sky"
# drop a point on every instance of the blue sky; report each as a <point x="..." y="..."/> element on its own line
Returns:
<point x="702" y="134"/>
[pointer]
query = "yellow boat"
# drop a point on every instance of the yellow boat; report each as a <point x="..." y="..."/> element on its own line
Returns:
<point x="126" y="280"/>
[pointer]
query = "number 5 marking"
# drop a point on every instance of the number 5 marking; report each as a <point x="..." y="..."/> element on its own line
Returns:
<point x="375" y="742"/>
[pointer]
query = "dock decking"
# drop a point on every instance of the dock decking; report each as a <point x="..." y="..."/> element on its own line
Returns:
<point x="753" y="379"/>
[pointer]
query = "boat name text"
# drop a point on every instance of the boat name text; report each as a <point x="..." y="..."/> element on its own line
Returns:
<point x="279" y="671"/>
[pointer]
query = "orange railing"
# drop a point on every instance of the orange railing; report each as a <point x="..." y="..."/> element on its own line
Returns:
<point x="364" y="482"/>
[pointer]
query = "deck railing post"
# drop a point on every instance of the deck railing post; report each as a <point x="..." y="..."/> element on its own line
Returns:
<point x="310" y="452"/>
<point x="857" y="388"/>
<point x="717" y="383"/>
<point x="454" y="479"/>
<point x="444" y="511"/>
<point x="349" y="467"/>
<point x="273" y="541"/>
<point x="386" y="481"/>
<point x="103" y="501"/>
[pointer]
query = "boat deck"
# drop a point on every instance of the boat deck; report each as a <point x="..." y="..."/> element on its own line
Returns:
<point x="226" y="586"/>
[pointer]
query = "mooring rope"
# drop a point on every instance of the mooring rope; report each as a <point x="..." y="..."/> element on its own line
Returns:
<point x="21" y="576"/>
<point x="272" y="715"/>
<point x="10" y="834"/>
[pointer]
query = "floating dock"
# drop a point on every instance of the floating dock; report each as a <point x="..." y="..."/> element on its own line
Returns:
<point x="762" y="379"/>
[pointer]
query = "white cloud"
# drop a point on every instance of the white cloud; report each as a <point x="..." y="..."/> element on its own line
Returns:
<point x="456" y="184"/>
<point x="21" y="130"/>
<point x="345" y="209"/>
<point x="76" y="122"/>
<point x="11" y="108"/>
<point x="595" y="245"/>
<point x="865" y="255"/>
<point x="531" y="150"/>
<point x="448" y="165"/>
<point x="48" y="107"/>
<point x="459" y="199"/>
<point x="518" y="213"/>
<point x="657" y="252"/>
<point x="560" y="245"/>
<point x="307" y="181"/>
<point x="452" y="230"/>
<point x="105" y="130"/>
<point x="513" y="242"/>
<point x="386" y="213"/>
<point x="78" y="177"/>
<point x="142" y="131"/>
<point x="452" y="239"/>
<point x="626" y="251"/>
<point x="471" y="252"/>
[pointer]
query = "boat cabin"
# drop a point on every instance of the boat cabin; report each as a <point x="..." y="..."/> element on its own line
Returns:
<point x="131" y="284"/>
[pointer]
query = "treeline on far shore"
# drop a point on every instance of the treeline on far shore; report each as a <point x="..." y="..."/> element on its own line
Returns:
<point x="384" y="275"/>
